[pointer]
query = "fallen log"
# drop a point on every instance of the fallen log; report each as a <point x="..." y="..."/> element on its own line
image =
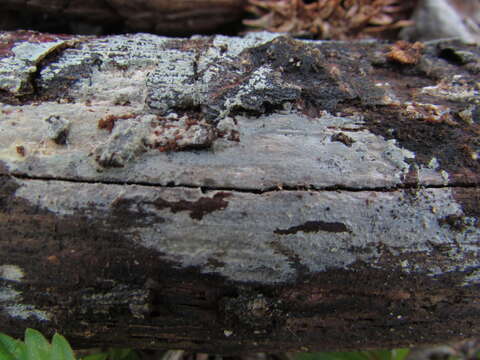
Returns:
<point x="179" y="17"/>
<point x="239" y="194"/>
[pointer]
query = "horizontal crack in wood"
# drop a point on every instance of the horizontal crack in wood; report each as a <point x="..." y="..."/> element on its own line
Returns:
<point x="278" y="188"/>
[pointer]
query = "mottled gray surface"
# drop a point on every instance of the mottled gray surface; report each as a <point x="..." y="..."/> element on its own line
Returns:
<point x="257" y="237"/>
<point x="280" y="149"/>
<point x="143" y="83"/>
<point x="15" y="71"/>
<point x="11" y="300"/>
<point x="142" y="74"/>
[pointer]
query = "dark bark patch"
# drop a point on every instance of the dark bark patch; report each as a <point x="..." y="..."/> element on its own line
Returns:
<point x="470" y="200"/>
<point x="314" y="226"/>
<point x="440" y="122"/>
<point x="436" y="123"/>
<point x="343" y="138"/>
<point x="7" y="190"/>
<point x="127" y="212"/>
<point x="453" y="145"/>
<point x="455" y="222"/>
<point x="251" y="309"/>
<point x="101" y="284"/>
<point x="215" y="263"/>
<point x="198" y="209"/>
<point x="304" y="66"/>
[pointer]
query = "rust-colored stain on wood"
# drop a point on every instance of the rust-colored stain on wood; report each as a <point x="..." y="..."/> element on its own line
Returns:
<point x="197" y="209"/>
<point x="21" y="150"/>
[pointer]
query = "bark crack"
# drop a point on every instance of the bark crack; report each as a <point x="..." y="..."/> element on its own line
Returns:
<point x="277" y="188"/>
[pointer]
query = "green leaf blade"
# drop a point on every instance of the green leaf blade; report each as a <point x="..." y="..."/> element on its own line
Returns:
<point x="8" y="345"/>
<point x="99" y="356"/>
<point x="4" y="355"/>
<point x="61" y="349"/>
<point x="38" y="347"/>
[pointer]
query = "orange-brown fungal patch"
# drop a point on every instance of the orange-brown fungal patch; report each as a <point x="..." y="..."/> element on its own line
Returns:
<point x="108" y="122"/>
<point x="20" y="150"/>
<point x="176" y="134"/>
<point x="406" y="53"/>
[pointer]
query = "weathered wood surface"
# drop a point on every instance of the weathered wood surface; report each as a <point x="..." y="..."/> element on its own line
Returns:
<point x="228" y="194"/>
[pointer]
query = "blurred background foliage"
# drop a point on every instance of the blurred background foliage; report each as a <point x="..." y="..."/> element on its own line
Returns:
<point x="36" y="347"/>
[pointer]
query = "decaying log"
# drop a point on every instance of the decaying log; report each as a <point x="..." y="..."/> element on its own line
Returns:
<point x="239" y="194"/>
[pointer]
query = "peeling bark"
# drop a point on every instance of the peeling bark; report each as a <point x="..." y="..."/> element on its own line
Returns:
<point x="239" y="194"/>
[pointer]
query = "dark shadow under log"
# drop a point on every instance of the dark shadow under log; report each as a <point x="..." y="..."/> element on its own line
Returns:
<point x="101" y="17"/>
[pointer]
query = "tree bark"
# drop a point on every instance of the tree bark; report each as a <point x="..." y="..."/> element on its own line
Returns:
<point x="239" y="194"/>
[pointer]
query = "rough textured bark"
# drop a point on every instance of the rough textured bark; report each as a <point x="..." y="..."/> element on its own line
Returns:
<point x="239" y="194"/>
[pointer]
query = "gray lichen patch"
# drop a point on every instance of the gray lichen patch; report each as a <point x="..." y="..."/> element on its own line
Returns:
<point x="173" y="83"/>
<point x="230" y="87"/>
<point x="245" y="152"/>
<point x="133" y="136"/>
<point x="106" y="302"/>
<point x="25" y="312"/>
<point x="58" y="129"/>
<point x="264" y="88"/>
<point x="276" y="236"/>
<point x="230" y="48"/>
<point x="127" y="141"/>
<point x="20" y="56"/>
<point x="11" y="301"/>
<point x="173" y="133"/>
<point x="89" y="71"/>
<point x="455" y="90"/>
<point x="258" y="79"/>
<point x="11" y="273"/>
